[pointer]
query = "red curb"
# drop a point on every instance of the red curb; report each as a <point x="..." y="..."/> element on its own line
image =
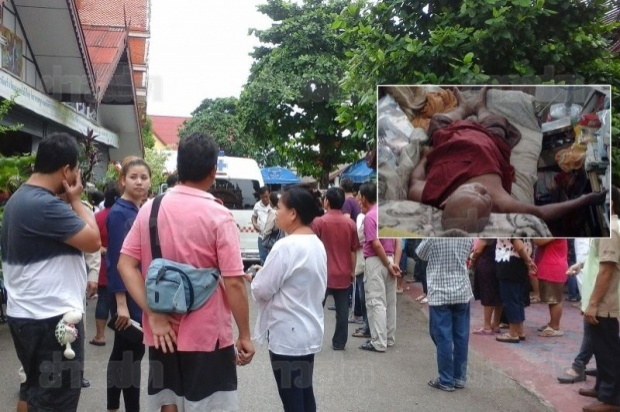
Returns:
<point x="536" y="362"/>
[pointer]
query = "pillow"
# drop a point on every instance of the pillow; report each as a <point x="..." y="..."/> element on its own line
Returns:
<point x="518" y="108"/>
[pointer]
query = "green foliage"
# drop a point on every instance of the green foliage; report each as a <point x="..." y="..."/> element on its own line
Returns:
<point x="148" y="138"/>
<point x="157" y="162"/>
<point x="14" y="171"/>
<point x="219" y="118"/>
<point x="467" y="42"/>
<point x="290" y="102"/>
<point x="5" y="108"/>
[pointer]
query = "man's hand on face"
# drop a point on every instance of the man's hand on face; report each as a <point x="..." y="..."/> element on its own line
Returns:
<point x="74" y="192"/>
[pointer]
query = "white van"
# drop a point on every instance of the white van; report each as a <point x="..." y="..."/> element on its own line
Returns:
<point x="237" y="182"/>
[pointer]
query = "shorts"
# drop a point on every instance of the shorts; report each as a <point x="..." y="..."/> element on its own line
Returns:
<point x="53" y="382"/>
<point x="551" y="292"/>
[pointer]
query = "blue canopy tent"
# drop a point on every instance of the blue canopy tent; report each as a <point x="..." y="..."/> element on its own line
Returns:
<point x="358" y="172"/>
<point x="279" y="176"/>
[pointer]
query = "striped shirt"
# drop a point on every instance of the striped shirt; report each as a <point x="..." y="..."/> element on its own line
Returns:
<point x="446" y="273"/>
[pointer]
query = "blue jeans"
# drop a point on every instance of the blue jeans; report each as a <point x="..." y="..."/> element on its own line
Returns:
<point x="262" y="252"/>
<point x="449" y="329"/>
<point x="341" y="301"/>
<point x="573" y="289"/>
<point x="585" y="352"/>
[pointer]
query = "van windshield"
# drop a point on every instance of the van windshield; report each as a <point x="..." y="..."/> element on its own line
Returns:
<point x="236" y="194"/>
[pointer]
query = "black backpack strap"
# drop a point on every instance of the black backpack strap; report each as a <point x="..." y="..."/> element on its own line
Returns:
<point x="155" y="247"/>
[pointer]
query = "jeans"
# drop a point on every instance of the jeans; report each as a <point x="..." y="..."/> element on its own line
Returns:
<point x="102" y="310"/>
<point x="606" y="344"/>
<point x="341" y="300"/>
<point x="361" y="298"/>
<point x="294" y="380"/>
<point x="262" y="252"/>
<point x="585" y="352"/>
<point x="573" y="289"/>
<point x="449" y="330"/>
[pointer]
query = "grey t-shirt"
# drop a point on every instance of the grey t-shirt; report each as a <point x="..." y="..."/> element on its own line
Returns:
<point x="44" y="276"/>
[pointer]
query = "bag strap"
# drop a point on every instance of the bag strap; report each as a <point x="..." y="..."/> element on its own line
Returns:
<point x="155" y="246"/>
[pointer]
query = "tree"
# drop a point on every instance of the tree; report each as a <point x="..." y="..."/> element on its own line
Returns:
<point x="469" y="42"/>
<point x="157" y="162"/>
<point x="219" y="118"/>
<point x="148" y="138"/>
<point x="89" y="156"/>
<point x="290" y="102"/>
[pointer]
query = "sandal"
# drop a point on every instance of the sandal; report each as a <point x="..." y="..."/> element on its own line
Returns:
<point x="419" y="298"/>
<point x="400" y="291"/>
<point x="483" y="331"/>
<point x="505" y="337"/>
<point x="549" y="332"/>
<point x="361" y="334"/>
<point x="370" y="347"/>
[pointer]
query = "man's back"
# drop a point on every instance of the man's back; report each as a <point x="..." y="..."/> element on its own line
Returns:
<point x="194" y="229"/>
<point x="339" y="235"/>
<point x="44" y="276"/>
<point x="448" y="282"/>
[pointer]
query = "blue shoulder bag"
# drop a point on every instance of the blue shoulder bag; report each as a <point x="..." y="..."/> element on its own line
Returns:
<point x="173" y="287"/>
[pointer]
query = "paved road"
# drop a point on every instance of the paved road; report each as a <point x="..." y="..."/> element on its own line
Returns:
<point x="352" y="380"/>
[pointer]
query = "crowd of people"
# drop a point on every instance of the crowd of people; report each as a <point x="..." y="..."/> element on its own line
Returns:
<point x="56" y="252"/>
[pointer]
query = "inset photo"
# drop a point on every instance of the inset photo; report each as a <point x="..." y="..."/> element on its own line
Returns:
<point x="494" y="161"/>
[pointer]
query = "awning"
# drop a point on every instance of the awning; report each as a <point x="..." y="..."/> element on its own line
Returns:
<point x="279" y="176"/>
<point x="58" y="48"/>
<point x="358" y="172"/>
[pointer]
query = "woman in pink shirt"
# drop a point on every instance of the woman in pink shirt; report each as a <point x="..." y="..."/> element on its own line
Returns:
<point x="551" y="258"/>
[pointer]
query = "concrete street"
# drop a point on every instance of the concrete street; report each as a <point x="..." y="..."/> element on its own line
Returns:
<point x="351" y="380"/>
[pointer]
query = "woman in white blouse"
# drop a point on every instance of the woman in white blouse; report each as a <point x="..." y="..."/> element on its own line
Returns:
<point x="289" y="290"/>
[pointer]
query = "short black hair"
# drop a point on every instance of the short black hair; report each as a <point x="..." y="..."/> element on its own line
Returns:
<point x="347" y="185"/>
<point x="301" y="200"/>
<point x="196" y="157"/>
<point x="615" y="198"/>
<point x="369" y="191"/>
<point x="110" y="193"/>
<point x="273" y="198"/>
<point x="95" y="197"/>
<point x="335" y="197"/>
<point x="264" y="189"/>
<point x="55" y="152"/>
<point x="172" y="180"/>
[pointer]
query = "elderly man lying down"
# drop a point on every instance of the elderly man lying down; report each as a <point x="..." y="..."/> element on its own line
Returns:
<point x="467" y="172"/>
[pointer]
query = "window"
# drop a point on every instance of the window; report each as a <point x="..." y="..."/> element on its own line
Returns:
<point x="236" y="194"/>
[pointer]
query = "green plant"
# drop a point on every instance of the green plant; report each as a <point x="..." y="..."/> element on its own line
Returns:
<point x="89" y="156"/>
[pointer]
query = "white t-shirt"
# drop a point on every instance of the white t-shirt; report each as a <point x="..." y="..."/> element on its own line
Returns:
<point x="289" y="290"/>
<point x="261" y="211"/>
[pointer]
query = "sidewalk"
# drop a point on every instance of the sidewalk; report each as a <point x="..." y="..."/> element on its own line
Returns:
<point x="536" y="362"/>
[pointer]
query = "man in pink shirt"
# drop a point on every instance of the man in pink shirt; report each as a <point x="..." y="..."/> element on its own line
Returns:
<point x="380" y="275"/>
<point x="192" y="356"/>
<point x="339" y="236"/>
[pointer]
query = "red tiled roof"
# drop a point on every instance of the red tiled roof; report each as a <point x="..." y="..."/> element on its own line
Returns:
<point x="115" y="12"/>
<point x="166" y="129"/>
<point x="105" y="48"/>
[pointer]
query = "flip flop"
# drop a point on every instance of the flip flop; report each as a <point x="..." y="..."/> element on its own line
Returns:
<point x="96" y="343"/>
<point x="483" y="331"/>
<point x="505" y="337"/>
